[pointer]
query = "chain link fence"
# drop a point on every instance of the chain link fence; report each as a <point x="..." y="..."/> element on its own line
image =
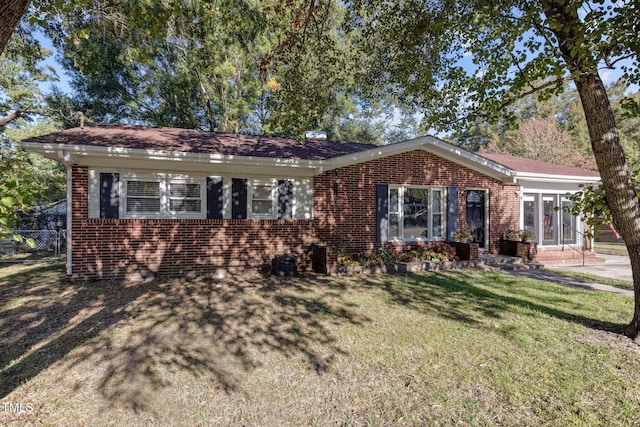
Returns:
<point x="50" y="245"/>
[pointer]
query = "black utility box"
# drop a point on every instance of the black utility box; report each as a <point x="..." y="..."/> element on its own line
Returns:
<point x="285" y="265"/>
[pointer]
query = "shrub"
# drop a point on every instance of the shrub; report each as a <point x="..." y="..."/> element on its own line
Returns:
<point x="431" y="251"/>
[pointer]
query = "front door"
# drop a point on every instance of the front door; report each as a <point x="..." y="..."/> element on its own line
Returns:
<point x="476" y="216"/>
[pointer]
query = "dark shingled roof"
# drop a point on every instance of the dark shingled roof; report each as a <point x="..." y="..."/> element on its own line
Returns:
<point x="521" y="164"/>
<point x="195" y="141"/>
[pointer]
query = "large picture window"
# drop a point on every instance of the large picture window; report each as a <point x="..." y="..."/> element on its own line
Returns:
<point x="416" y="213"/>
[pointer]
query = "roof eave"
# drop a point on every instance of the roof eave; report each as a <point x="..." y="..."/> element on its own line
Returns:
<point x="114" y="156"/>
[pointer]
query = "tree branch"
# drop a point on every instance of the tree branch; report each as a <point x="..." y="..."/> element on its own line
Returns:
<point x="13" y="116"/>
<point x="507" y="102"/>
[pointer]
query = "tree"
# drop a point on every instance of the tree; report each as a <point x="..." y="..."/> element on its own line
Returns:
<point x="541" y="139"/>
<point x="49" y="176"/>
<point x="212" y="69"/>
<point x="20" y="98"/>
<point x="515" y="48"/>
<point x="20" y="102"/>
<point x="20" y="77"/>
<point x="200" y="72"/>
<point x="18" y="188"/>
<point x="11" y="11"/>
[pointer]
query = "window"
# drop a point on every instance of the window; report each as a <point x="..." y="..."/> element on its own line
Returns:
<point x="163" y="197"/>
<point x="416" y="213"/>
<point x="185" y="197"/>
<point x="143" y="197"/>
<point x="263" y="199"/>
<point x="545" y="215"/>
<point x="136" y="194"/>
<point x="437" y="206"/>
<point x="530" y="213"/>
<point x="270" y="199"/>
<point x="550" y="226"/>
<point x="394" y="214"/>
<point x="569" y="222"/>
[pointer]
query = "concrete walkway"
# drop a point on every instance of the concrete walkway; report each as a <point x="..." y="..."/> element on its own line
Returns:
<point x="614" y="267"/>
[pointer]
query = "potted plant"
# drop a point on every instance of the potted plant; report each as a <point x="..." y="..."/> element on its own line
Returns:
<point x="465" y="250"/>
<point x="526" y="236"/>
<point x="462" y="236"/>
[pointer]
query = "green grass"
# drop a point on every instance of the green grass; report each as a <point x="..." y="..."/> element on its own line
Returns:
<point x="587" y="277"/>
<point x="445" y="348"/>
<point x="611" y="248"/>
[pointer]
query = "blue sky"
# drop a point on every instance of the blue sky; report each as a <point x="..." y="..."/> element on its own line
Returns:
<point x="63" y="83"/>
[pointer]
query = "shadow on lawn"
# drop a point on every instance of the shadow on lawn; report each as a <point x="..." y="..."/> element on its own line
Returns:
<point x="133" y="335"/>
<point x="462" y="297"/>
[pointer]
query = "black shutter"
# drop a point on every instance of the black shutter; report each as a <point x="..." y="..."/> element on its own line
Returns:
<point x="453" y="211"/>
<point x="214" y="197"/>
<point x="238" y="198"/>
<point x="382" y="213"/>
<point x="285" y="199"/>
<point x="109" y="197"/>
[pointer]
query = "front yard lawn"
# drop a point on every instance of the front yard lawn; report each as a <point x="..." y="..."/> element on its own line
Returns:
<point x="441" y="348"/>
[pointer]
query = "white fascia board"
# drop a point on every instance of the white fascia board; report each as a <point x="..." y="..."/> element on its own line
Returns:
<point x="567" y="179"/>
<point x="171" y="160"/>
<point x="430" y="144"/>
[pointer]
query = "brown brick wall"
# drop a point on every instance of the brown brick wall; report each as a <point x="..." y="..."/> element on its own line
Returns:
<point x="132" y="248"/>
<point x="349" y="219"/>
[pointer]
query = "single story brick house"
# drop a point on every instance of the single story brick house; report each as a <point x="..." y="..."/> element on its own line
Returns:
<point x="146" y="201"/>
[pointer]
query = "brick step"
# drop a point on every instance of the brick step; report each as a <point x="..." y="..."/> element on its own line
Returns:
<point x="521" y="266"/>
<point x="503" y="262"/>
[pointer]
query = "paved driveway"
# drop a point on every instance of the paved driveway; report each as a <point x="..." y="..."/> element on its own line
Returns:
<point x="614" y="267"/>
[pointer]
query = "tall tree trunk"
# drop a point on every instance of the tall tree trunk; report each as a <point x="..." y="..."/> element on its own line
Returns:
<point x="11" y="12"/>
<point x="616" y="178"/>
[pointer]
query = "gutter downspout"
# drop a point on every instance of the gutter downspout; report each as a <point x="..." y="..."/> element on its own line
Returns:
<point x="65" y="158"/>
<point x="69" y="219"/>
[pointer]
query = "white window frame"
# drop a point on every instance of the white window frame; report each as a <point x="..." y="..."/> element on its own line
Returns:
<point x="124" y="197"/>
<point x="399" y="210"/>
<point x="558" y="198"/>
<point x="253" y="183"/>
<point x="165" y="181"/>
